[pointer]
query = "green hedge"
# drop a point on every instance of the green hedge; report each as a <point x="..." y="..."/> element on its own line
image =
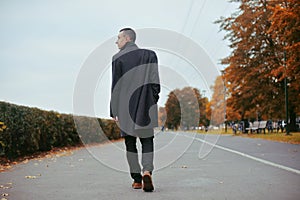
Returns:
<point x="24" y="130"/>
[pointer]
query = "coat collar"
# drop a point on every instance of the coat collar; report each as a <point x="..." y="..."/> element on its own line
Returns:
<point x="128" y="47"/>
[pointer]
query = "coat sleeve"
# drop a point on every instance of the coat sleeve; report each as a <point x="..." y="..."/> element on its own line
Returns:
<point x="155" y="76"/>
<point x="116" y="75"/>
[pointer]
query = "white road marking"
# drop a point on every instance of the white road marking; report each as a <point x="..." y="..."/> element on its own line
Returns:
<point x="250" y="157"/>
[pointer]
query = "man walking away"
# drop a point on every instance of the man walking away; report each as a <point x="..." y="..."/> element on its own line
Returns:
<point x="134" y="95"/>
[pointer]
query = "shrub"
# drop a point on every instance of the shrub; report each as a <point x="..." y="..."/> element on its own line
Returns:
<point x="24" y="130"/>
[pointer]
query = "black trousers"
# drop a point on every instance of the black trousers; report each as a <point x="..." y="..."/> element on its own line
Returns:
<point x="132" y="156"/>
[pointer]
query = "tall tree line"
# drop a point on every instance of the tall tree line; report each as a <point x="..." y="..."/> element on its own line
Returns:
<point x="264" y="37"/>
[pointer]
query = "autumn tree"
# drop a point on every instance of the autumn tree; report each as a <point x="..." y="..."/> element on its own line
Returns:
<point x="218" y="105"/>
<point x="220" y="110"/>
<point x="185" y="108"/>
<point x="260" y="32"/>
<point x="208" y="114"/>
<point x="204" y="112"/>
<point x="173" y="111"/>
<point x="162" y="116"/>
<point x="285" y="32"/>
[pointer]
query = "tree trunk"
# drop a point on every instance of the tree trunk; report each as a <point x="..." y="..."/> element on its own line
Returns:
<point x="293" y="116"/>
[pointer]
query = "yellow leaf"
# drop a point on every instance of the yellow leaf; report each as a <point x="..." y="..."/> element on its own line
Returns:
<point x="30" y="177"/>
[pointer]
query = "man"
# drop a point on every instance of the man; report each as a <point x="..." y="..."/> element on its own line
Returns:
<point x="134" y="95"/>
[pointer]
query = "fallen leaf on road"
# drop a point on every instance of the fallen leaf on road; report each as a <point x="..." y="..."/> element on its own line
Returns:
<point x="5" y="187"/>
<point x="5" y="167"/>
<point x="64" y="153"/>
<point x="31" y="177"/>
<point x="25" y="161"/>
<point x="292" y="150"/>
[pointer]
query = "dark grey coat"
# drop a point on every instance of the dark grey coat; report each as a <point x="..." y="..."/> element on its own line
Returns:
<point x="135" y="88"/>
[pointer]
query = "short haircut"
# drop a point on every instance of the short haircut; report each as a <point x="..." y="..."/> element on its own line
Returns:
<point x="129" y="32"/>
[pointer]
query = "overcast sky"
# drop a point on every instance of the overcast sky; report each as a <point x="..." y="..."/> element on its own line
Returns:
<point x="45" y="43"/>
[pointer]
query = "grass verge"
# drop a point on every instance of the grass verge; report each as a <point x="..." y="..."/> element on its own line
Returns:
<point x="294" y="138"/>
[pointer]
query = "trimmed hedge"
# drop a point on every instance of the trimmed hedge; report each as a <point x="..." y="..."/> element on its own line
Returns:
<point x="25" y="130"/>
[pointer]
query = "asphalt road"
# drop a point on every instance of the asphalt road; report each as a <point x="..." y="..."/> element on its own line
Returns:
<point x="188" y="166"/>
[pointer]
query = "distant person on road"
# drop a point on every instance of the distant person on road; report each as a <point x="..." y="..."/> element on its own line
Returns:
<point x="280" y="125"/>
<point x="234" y="128"/>
<point x="134" y="96"/>
<point x="270" y="126"/>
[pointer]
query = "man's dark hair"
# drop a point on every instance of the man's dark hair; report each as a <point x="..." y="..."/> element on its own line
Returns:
<point x="129" y="32"/>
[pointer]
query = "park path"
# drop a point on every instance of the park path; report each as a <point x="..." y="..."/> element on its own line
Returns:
<point x="229" y="170"/>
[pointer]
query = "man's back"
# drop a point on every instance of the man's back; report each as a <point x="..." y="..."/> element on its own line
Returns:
<point x="135" y="75"/>
<point x="134" y="58"/>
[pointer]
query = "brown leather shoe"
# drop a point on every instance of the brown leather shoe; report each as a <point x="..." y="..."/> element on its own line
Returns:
<point x="148" y="185"/>
<point x="136" y="185"/>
